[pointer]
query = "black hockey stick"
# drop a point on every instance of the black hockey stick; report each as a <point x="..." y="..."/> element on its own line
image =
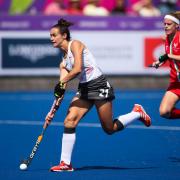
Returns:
<point x="154" y="66"/>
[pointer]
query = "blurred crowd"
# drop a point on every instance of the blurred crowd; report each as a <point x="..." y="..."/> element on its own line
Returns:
<point x="146" y="8"/>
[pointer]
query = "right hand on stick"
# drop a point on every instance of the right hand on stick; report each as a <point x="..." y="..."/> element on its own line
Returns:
<point x="49" y="118"/>
<point x="160" y="61"/>
<point x="155" y="64"/>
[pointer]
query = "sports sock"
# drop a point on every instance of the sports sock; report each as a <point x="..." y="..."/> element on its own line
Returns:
<point x="68" y="141"/>
<point x="128" y="118"/>
<point x="175" y="114"/>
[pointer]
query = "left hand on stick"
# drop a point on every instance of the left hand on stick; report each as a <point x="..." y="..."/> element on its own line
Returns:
<point x="59" y="89"/>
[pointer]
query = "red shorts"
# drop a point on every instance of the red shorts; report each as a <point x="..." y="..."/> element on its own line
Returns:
<point x="174" y="87"/>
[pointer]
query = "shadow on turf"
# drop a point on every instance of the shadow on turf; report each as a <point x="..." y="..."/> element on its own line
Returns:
<point x="174" y="159"/>
<point x="110" y="168"/>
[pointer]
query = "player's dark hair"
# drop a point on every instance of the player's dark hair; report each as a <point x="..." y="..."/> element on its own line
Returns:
<point x="63" y="27"/>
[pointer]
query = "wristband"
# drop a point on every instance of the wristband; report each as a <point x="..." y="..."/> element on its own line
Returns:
<point x="163" y="58"/>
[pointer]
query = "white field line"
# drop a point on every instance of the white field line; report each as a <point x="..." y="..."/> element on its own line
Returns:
<point x="119" y="95"/>
<point x="91" y="125"/>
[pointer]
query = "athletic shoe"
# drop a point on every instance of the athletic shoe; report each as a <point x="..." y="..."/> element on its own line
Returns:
<point x="144" y="117"/>
<point x="62" y="167"/>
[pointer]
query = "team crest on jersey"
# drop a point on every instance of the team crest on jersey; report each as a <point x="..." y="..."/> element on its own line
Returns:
<point x="175" y="45"/>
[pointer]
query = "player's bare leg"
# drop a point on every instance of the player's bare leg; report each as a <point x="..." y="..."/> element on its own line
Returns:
<point x="78" y="108"/>
<point x="167" y="107"/>
<point x="104" y="109"/>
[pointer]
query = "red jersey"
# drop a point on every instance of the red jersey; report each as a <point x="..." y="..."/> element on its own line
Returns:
<point x="174" y="48"/>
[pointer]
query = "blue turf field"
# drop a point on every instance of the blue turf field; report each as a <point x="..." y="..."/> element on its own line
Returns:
<point x="135" y="153"/>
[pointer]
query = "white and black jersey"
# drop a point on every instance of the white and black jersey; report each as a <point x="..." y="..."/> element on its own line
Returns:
<point x="90" y="69"/>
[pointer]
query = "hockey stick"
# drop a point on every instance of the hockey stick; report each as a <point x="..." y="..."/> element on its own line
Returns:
<point x="25" y="163"/>
<point x="154" y="66"/>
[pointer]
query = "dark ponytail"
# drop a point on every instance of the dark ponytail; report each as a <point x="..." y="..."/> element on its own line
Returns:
<point x="63" y="27"/>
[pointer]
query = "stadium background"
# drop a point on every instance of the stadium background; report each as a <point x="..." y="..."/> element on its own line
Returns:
<point x="124" y="45"/>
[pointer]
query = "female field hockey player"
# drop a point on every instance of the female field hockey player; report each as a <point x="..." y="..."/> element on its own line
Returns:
<point x="172" y="49"/>
<point x="94" y="89"/>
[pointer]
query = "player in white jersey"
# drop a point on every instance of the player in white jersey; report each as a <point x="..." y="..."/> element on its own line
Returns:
<point x="90" y="70"/>
<point x="94" y="89"/>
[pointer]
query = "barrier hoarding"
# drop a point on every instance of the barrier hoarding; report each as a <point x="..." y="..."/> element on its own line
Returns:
<point x="121" y="45"/>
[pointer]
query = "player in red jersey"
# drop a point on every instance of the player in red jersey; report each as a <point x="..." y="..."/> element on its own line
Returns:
<point x="172" y="49"/>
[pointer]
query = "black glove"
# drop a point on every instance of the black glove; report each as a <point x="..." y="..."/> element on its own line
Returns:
<point x="163" y="58"/>
<point x="59" y="90"/>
